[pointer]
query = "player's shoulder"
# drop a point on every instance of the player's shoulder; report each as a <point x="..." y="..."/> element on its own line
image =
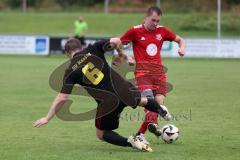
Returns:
<point x="160" y="27"/>
<point x="163" y="28"/>
<point x="138" y="26"/>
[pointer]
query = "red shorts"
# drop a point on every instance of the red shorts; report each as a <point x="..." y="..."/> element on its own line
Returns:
<point x="156" y="82"/>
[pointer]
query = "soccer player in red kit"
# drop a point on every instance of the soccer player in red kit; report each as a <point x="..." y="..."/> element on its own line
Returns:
<point x="147" y="40"/>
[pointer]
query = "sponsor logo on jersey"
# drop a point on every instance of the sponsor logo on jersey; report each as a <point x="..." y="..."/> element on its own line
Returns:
<point x="151" y="49"/>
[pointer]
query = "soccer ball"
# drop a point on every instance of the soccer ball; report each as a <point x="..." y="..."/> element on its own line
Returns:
<point x="170" y="133"/>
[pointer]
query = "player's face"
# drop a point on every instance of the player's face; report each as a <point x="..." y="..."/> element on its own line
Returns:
<point x="152" y="21"/>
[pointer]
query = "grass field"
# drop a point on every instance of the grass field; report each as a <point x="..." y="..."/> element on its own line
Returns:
<point x="195" y="24"/>
<point x="205" y="100"/>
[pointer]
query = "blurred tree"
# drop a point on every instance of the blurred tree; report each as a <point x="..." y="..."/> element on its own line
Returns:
<point x="231" y="2"/>
<point x="13" y="3"/>
<point x="80" y="3"/>
<point x="167" y="5"/>
<point x="18" y="3"/>
<point x="2" y="5"/>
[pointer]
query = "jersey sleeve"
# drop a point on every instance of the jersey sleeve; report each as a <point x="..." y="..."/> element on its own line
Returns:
<point x="67" y="83"/>
<point x="102" y="45"/>
<point x="129" y="36"/>
<point x="169" y="35"/>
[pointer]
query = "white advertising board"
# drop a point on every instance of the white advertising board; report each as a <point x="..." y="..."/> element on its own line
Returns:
<point x="28" y="45"/>
<point x="202" y="47"/>
<point x="219" y="48"/>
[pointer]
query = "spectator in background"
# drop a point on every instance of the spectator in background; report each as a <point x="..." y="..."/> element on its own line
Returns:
<point x="81" y="28"/>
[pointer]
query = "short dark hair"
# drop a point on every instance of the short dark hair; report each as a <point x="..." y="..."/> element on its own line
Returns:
<point x="153" y="9"/>
<point x="71" y="45"/>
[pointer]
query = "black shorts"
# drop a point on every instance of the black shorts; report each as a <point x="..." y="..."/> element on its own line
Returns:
<point x="110" y="121"/>
<point x="125" y="94"/>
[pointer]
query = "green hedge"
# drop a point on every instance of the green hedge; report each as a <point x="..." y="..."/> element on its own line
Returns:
<point x="62" y="3"/>
<point x="167" y="5"/>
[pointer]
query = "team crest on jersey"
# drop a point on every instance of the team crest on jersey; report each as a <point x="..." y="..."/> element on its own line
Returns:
<point x="152" y="49"/>
<point x="159" y="37"/>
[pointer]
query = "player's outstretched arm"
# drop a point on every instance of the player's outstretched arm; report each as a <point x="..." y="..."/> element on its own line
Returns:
<point x="181" y="45"/>
<point x="58" y="102"/>
<point x="120" y="56"/>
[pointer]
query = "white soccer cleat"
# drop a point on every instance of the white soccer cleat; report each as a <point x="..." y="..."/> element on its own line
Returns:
<point x="137" y="144"/>
<point x="142" y="138"/>
<point x="168" y="116"/>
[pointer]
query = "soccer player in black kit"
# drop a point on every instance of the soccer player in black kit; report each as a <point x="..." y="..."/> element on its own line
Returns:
<point x="89" y="68"/>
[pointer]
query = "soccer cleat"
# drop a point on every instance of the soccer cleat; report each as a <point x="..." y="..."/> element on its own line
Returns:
<point x="137" y="144"/>
<point x="142" y="138"/>
<point x="165" y="114"/>
<point x="153" y="128"/>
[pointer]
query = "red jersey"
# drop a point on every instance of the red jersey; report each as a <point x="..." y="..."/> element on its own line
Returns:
<point x="147" y="45"/>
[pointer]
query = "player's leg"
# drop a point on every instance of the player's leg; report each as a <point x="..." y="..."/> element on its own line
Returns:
<point x="144" y="86"/>
<point x="82" y="40"/>
<point x="112" y="137"/>
<point x="152" y="105"/>
<point x="104" y="131"/>
<point x="154" y="128"/>
<point x="135" y="99"/>
<point x="152" y="110"/>
<point x="160" y="99"/>
<point x="116" y="139"/>
<point x="105" y="125"/>
<point x="150" y="117"/>
<point x="160" y="92"/>
<point x="153" y="125"/>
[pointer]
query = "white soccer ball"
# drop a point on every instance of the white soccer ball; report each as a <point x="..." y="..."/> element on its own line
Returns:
<point x="170" y="133"/>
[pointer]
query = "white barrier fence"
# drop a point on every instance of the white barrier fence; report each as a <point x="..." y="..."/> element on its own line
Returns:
<point x="27" y="45"/>
<point x="203" y="47"/>
<point x="195" y="47"/>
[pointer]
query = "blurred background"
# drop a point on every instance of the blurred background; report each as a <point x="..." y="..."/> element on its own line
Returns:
<point x="205" y="95"/>
<point x="196" y="17"/>
<point x="199" y="19"/>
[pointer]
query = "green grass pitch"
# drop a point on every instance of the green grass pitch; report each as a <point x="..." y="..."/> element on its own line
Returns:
<point x="205" y="101"/>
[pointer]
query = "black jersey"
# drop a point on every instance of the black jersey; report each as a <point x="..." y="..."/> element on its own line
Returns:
<point x="90" y="69"/>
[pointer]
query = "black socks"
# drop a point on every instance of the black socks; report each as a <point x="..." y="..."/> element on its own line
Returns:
<point x="153" y="106"/>
<point x="114" y="138"/>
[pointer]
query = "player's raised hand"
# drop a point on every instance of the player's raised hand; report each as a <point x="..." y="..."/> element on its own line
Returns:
<point x="117" y="60"/>
<point x="130" y="61"/>
<point x="181" y="52"/>
<point x="181" y="44"/>
<point x="40" y="122"/>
